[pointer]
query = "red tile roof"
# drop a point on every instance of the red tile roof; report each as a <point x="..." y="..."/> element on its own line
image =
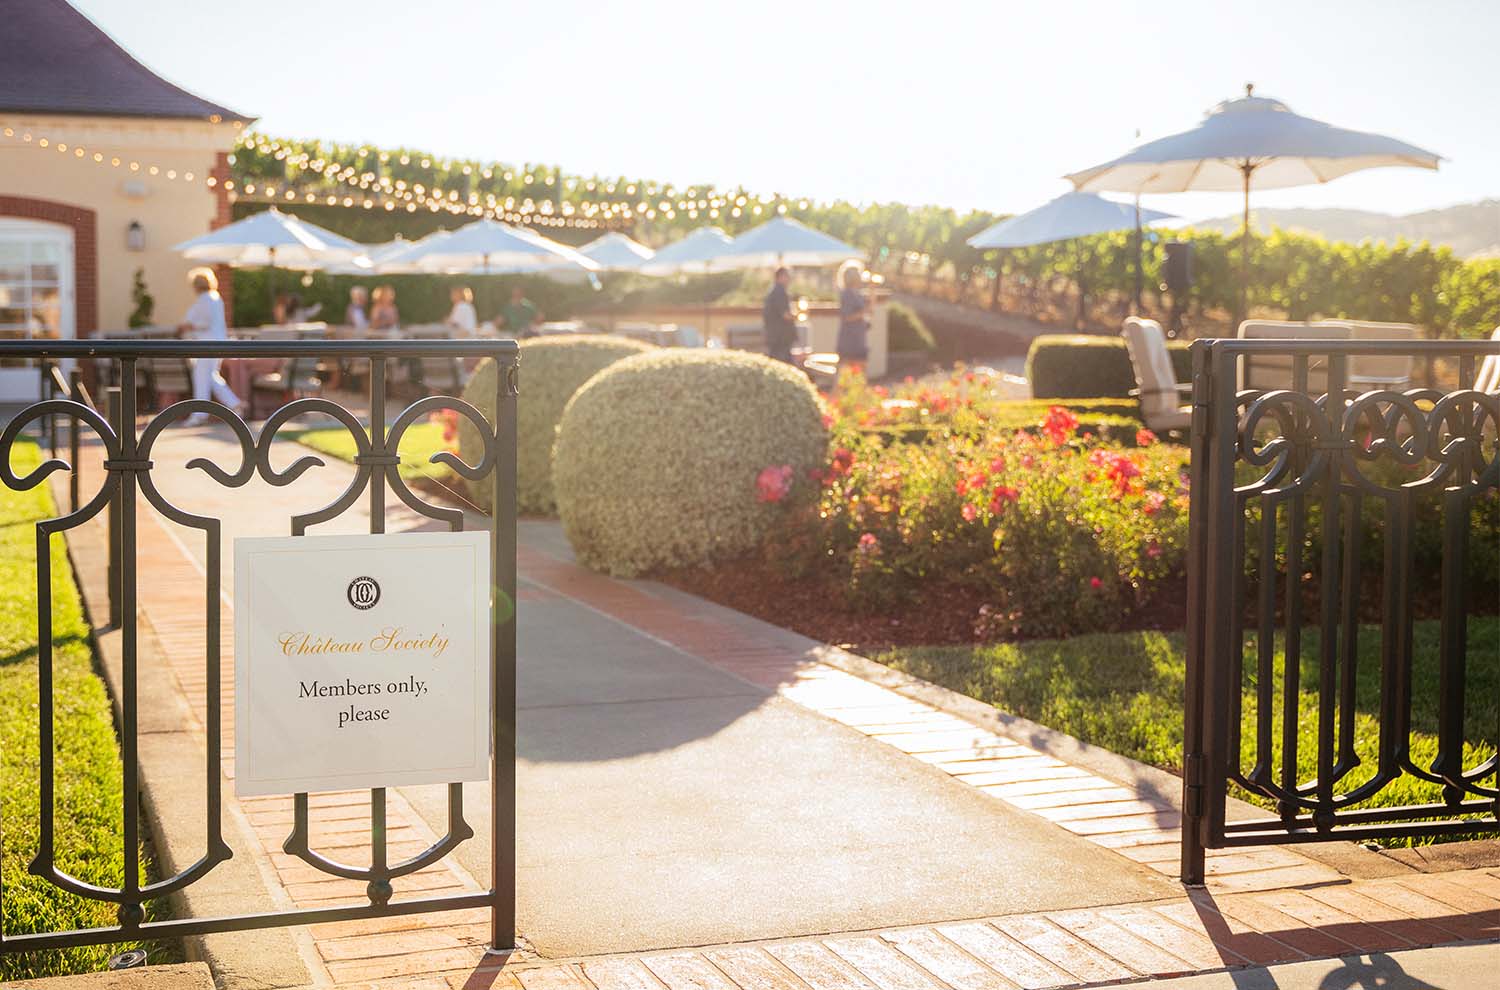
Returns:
<point x="55" y="60"/>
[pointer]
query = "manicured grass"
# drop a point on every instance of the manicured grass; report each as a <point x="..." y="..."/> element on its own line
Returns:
<point x="420" y="442"/>
<point x="88" y="803"/>
<point x="1123" y="691"/>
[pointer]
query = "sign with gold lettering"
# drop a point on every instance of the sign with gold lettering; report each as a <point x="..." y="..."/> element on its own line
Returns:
<point x="361" y="661"/>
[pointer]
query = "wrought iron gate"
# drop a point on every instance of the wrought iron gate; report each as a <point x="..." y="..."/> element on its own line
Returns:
<point x="1303" y="525"/>
<point x="127" y="476"/>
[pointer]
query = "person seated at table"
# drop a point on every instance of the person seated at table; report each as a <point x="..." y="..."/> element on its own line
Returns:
<point x="204" y="320"/>
<point x="520" y="316"/>
<point x="462" y="317"/>
<point x="357" y="314"/>
<point x="383" y="312"/>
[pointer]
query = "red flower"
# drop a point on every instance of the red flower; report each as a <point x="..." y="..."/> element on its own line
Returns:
<point x="1095" y="583"/>
<point x="1144" y="438"/>
<point x="842" y="462"/>
<point x="1154" y="502"/>
<point x="1002" y="496"/>
<point x="773" y="483"/>
<point x="969" y="512"/>
<point x="869" y="543"/>
<point x="997" y="465"/>
<point x="1059" y="425"/>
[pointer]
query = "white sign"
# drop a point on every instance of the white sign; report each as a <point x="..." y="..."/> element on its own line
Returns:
<point x="361" y="661"/>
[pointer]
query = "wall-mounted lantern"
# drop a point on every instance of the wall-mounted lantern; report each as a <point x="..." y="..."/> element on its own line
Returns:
<point x="135" y="236"/>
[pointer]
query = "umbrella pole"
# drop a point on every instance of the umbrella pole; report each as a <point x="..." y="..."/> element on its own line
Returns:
<point x="1140" y="277"/>
<point x="1244" y="308"/>
<point x="271" y="281"/>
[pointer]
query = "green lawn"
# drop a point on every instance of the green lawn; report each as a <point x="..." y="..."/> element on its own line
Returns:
<point x="420" y="442"/>
<point x="88" y="804"/>
<point x="1123" y="691"/>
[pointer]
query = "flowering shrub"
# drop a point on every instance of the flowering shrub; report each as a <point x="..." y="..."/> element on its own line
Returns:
<point x="552" y="369"/>
<point x="678" y="456"/>
<point x="1062" y="532"/>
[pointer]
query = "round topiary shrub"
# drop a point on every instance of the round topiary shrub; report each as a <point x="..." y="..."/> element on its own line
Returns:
<point x="677" y="457"/>
<point x="552" y="369"/>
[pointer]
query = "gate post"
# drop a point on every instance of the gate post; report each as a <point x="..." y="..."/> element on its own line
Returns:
<point x="116" y="615"/>
<point x="503" y="546"/>
<point x="1192" y="864"/>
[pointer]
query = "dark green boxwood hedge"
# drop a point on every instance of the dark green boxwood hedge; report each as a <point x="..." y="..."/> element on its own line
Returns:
<point x="1074" y="366"/>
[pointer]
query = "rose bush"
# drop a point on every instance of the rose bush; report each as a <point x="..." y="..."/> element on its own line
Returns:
<point x="1061" y="531"/>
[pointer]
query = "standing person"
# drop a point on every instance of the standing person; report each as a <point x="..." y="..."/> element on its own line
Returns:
<point x="383" y="313"/>
<point x="776" y="314"/>
<point x="462" y="316"/>
<point x="357" y="315"/>
<point x="520" y="316"/>
<point x="855" y="309"/>
<point x="205" y="321"/>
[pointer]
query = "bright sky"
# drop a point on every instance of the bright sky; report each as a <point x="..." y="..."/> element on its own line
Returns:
<point x="982" y="104"/>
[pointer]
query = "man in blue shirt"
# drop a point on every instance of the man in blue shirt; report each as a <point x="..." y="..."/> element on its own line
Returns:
<point x="780" y="324"/>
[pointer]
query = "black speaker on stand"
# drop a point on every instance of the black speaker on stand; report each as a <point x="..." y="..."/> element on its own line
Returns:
<point x="1178" y="273"/>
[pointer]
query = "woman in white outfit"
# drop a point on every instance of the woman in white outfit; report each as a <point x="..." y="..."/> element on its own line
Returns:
<point x="205" y="321"/>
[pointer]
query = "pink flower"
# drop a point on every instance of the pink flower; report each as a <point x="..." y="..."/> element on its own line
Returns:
<point x="1095" y="583"/>
<point x="997" y="465"/>
<point x="773" y="483"/>
<point x="1154" y="502"/>
<point x="1144" y="438"/>
<point x="970" y="512"/>
<point x="869" y="543"/>
<point x="1153" y="550"/>
<point x="1121" y="470"/>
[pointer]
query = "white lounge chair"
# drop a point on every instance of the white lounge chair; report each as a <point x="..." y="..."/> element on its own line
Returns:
<point x="1160" y="393"/>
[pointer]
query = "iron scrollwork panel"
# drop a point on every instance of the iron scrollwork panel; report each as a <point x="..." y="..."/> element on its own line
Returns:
<point x="128" y="463"/>
<point x="1319" y="486"/>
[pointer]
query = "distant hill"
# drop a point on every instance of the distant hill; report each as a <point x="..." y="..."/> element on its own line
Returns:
<point x="1471" y="229"/>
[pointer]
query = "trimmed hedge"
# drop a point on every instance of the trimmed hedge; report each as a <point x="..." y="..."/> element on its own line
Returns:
<point x="552" y="369"/>
<point x="659" y="458"/>
<point x="1075" y="366"/>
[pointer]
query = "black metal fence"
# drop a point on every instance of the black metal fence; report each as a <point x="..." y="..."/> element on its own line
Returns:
<point x="1303" y="534"/>
<point x="128" y="448"/>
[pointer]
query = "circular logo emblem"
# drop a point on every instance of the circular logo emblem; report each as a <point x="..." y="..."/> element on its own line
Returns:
<point x="363" y="593"/>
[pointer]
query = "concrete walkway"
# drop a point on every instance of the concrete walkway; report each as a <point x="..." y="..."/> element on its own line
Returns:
<point x="690" y="777"/>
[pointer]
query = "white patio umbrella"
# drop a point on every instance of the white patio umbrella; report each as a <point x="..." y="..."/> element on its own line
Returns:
<point x="615" y="252"/>
<point x="488" y="247"/>
<point x="1070" y="215"/>
<point x="373" y="256"/>
<point x="272" y="239"/>
<point x="1254" y="141"/>
<point x="784" y="241"/>
<point x="402" y="261"/>
<point x="695" y="254"/>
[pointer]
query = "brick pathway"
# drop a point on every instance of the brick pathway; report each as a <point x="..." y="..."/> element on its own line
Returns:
<point x="1249" y="914"/>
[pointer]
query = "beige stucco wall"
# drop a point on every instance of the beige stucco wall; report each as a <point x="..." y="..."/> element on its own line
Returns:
<point x="170" y="210"/>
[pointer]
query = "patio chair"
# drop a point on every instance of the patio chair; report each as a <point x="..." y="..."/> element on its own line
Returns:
<point x="1161" y="395"/>
<point x="1378" y="371"/>
<point x="1272" y="372"/>
<point x="297" y="377"/>
<point x="167" y="379"/>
